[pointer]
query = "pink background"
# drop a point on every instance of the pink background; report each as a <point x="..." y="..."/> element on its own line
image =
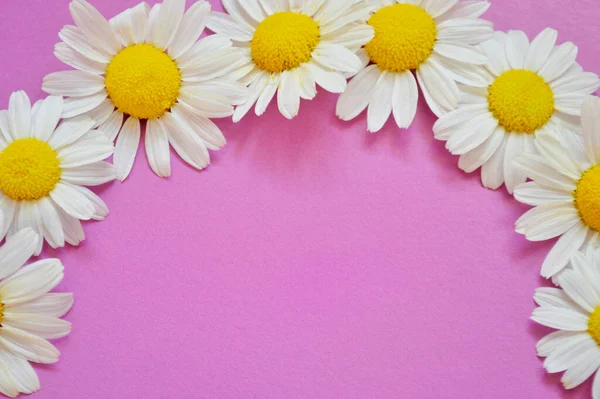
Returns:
<point x="311" y="260"/>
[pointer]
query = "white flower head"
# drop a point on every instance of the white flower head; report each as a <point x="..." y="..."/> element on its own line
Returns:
<point x="291" y="46"/>
<point x="29" y="313"/>
<point x="147" y="64"/>
<point x="528" y="88"/>
<point x="44" y="166"/>
<point x="565" y="190"/>
<point x="574" y="311"/>
<point x="434" y="38"/>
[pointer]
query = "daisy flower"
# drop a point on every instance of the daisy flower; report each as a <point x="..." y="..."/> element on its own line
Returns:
<point x="43" y="168"/>
<point x="29" y="314"/>
<point x="147" y="64"/>
<point x="530" y="88"/>
<point x="565" y="190"/>
<point x="434" y="38"/>
<point x="291" y="46"/>
<point x="574" y="311"/>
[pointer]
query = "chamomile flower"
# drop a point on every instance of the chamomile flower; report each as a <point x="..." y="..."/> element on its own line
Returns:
<point x="531" y="88"/>
<point x="147" y="64"/>
<point x="44" y="168"/>
<point x="291" y="46"/>
<point x="574" y="311"/>
<point x="434" y="38"/>
<point x="29" y="314"/>
<point x="565" y="190"/>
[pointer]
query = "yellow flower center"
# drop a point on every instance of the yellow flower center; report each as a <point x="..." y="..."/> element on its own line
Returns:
<point x="284" y="40"/>
<point x="404" y="37"/>
<point x="587" y="197"/>
<point x="521" y="101"/>
<point x="29" y="170"/>
<point x="594" y="325"/>
<point x="143" y="81"/>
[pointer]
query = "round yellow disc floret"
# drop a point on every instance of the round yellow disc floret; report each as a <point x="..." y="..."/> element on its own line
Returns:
<point x="587" y="197"/>
<point x="29" y="170"/>
<point x="521" y="101"/>
<point x="404" y="37"/>
<point x="143" y="81"/>
<point x="284" y="40"/>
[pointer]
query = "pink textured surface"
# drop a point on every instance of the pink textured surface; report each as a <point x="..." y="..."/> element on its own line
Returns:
<point x="310" y="260"/>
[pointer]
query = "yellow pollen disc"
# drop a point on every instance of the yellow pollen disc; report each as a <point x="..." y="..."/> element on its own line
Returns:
<point x="143" y="81"/>
<point x="284" y="40"/>
<point x="587" y="197"/>
<point x="521" y="101"/>
<point x="29" y="170"/>
<point x="404" y="37"/>
<point x="594" y="325"/>
<point x="1" y="312"/>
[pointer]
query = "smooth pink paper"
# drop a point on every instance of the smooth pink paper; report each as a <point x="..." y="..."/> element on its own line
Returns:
<point x="310" y="260"/>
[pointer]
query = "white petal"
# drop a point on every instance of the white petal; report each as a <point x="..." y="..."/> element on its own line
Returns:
<point x="561" y="59"/>
<point x="540" y="49"/>
<point x="93" y="174"/>
<point x="28" y="346"/>
<point x="517" y="47"/>
<point x="19" y="115"/>
<point x="475" y="158"/>
<point x="192" y="25"/>
<point x="185" y="141"/>
<point x="590" y="124"/>
<point x="69" y="131"/>
<point x="439" y="90"/>
<point x="51" y="224"/>
<point x="336" y="57"/>
<point x="94" y="26"/>
<point x="405" y="98"/>
<point x="331" y="81"/>
<point x="225" y="25"/>
<point x="75" y="106"/>
<point x="157" y="148"/>
<point x="23" y="375"/>
<point x="536" y="168"/>
<point x="203" y="127"/>
<point x="43" y="326"/>
<point x="467" y="54"/>
<point x="72" y="201"/>
<point x="577" y="374"/>
<point x="380" y="106"/>
<point x="17" y="250"/>
<point x="492" y="172"/>
<point x="112" y="126"/>
<point x="288" y="95"/>
<point x="76" y="39"/>
<point x="90" y="148"/>
<point x="73" y="83"/>
<point x="559" y="255"/>
<point x="51" y="304"/>
<point x="47" y="117"/>
<point x="78" y="61"/>
<point x="31" y="282"/>
<point x="562" y="319"/>
<point x="532" y="193"/>
<point x="358" y="93"/>
<point x="127" y="147"/>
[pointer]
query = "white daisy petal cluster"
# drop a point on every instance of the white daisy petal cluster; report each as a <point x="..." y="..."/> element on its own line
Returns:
<point x="45" y="165"/>
<point x="29" y="313"/>
<point x="435" y="38"/>
<point x="527" y="89"/>
<point x="565" y="190"/>
<point x="573" y="310"/>
<point x="291" y="46"/>
<point x="148" y="64"/>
